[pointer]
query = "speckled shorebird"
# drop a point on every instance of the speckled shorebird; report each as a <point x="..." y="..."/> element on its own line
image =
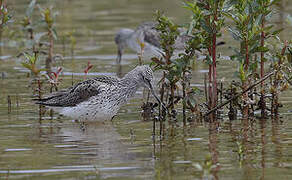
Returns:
<point x="100" y="98"/>
<point x="145" y="33"/>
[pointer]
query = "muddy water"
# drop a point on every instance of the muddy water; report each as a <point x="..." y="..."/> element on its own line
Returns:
<point x="55" y="147"/>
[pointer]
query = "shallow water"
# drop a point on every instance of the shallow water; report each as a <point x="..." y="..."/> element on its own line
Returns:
<point x="56" y="148"/>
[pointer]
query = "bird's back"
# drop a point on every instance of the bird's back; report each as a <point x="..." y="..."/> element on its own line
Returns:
<point x="150" y="33"/>
<point x="78" y="93"/>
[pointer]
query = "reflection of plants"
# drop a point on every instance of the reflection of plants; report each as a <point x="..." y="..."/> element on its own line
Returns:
<point x="240" y="152"/>
<point x="206" y="167"/>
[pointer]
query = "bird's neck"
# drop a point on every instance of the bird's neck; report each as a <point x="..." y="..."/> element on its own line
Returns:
<point x="133" y="42"/>
<point x="130" y="85"/>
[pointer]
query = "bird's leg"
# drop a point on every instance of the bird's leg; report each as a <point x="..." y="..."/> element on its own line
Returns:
<point x="120" y="53"/>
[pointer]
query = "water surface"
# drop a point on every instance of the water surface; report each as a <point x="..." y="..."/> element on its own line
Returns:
<point x="55" y="147"/>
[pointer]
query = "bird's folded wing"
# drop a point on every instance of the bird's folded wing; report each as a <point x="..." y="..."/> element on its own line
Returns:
<point x="78" y="93"/>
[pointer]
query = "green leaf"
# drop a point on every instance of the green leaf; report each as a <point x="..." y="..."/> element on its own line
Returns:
<point x="260" y="49"/>
<point x="277" y="31"/>
<point x="289" y="19"/>
<point x="54" y="33"/>
<point x="206" y="27"/>
<point x="26" y="65"/>
<point x="235" y="34"/>
<point x="30" y="8"/>
<point x="38" y="36"/>
<point x="274" y="2"/>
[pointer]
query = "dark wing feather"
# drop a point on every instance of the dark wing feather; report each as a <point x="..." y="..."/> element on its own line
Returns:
<point x="77" y="93"/>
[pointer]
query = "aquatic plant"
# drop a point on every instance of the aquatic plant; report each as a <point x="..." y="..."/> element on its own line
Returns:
<point x="5" y="16"/>
<point x="54" y="79"/>
<point x="246" y="31"/>
<point x="207" y="20"/>
<point x="86" y="70"/>
<point x="250" y="18"/>
<point x="168" y="34"/>
<point x="28" y="25"/>
<point x="31" y="63"/>
<point x="250" y="27"/>
<point x="48" y="18"/>
<point x="264" y="10"/>
<point x="206" y="167"/>
<point x="64" y="38"/>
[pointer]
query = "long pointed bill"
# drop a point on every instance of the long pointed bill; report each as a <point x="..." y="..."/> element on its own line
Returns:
<point x="153" y="93"/>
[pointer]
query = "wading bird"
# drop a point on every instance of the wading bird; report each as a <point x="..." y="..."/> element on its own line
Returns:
<point x="100" y="98"/>
<point x="147" y="34"/>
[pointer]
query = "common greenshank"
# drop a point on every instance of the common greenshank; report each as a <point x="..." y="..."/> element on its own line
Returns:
<point x="100" y="98"/>
<point x="147" y="34"/>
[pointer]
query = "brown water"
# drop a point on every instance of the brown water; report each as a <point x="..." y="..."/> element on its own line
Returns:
<point x="56" y="148"/>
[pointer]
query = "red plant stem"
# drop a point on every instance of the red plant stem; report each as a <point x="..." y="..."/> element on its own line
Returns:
<point x="262" y="53"/>
<point x="0" y="6"/>
<point x="284" y="48"/>
<point x="210" y="87"/>
<point x="245" y="83"/>
<point x="263" y="103"/>
<point x="214" y="72"/>
<point x="214" y="86"/>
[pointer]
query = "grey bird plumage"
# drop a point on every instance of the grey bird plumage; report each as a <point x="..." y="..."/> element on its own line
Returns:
<point x="99" y="98"/>
<point x="148" y="34"/>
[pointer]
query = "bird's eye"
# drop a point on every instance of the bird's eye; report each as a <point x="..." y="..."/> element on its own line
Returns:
<point x="146" y="80"/>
